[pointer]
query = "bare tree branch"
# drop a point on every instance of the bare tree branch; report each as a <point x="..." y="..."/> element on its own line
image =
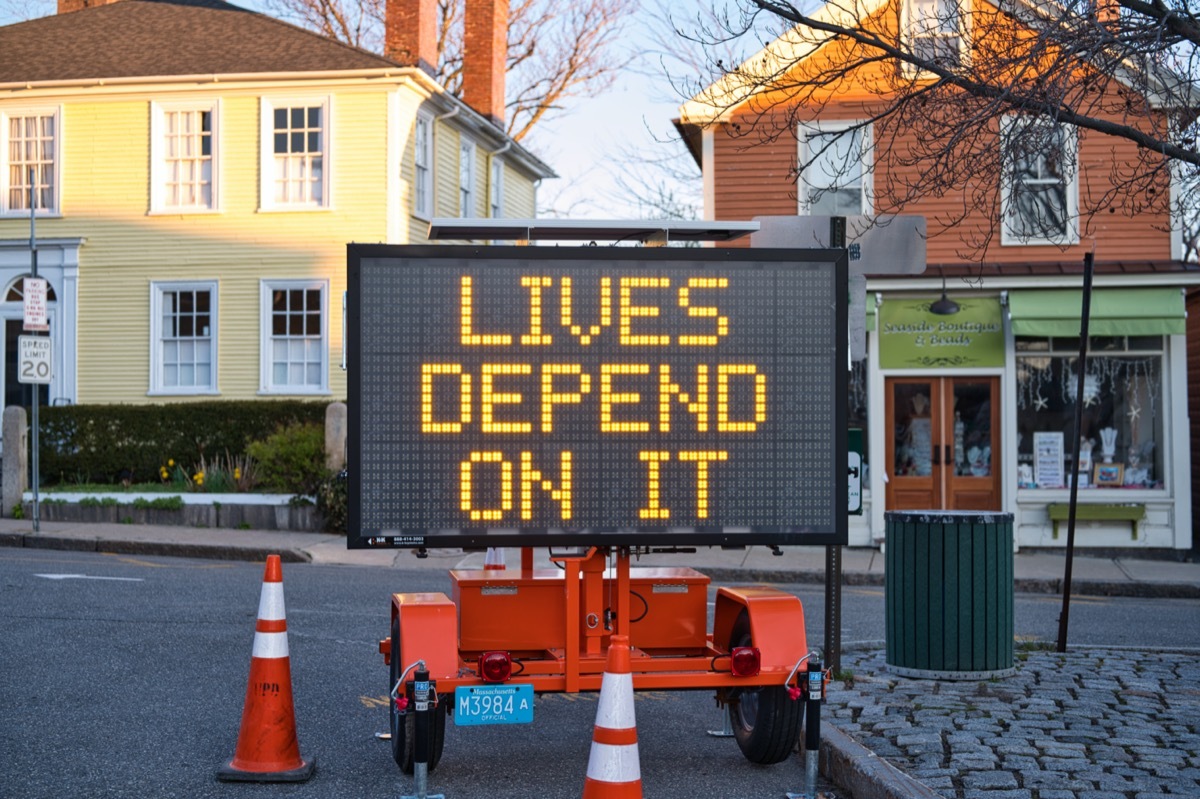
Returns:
<point x="556" y="50"/>
<point x="1122" y="70"/>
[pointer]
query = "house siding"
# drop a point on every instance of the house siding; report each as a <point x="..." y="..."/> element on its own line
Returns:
<point x="760" y="180"/>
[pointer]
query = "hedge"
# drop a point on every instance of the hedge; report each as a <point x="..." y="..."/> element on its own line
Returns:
<point x="112" y="443"/>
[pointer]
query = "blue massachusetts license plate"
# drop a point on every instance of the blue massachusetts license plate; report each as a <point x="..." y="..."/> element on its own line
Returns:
<point x="493" y="704"/>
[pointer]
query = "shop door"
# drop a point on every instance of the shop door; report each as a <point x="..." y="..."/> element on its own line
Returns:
<point x="942" y="443"/>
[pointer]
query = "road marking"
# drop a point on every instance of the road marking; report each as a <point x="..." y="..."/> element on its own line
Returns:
<point x="89" y="577"/>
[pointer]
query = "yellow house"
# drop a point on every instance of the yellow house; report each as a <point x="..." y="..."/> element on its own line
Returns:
<point x="198" y="170"/>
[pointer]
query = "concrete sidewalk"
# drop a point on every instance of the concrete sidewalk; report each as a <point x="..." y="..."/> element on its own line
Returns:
<point x="1034" y="572"/>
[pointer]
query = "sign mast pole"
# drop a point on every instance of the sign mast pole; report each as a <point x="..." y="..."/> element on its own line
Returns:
<point x="33" y="263"/>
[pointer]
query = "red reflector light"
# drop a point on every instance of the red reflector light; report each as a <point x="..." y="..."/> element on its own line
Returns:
<point x="745" y="661"/>
<point x="495" y="666"/>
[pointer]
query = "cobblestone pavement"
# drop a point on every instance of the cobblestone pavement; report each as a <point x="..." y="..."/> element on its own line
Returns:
<point x="1088" y="724"/>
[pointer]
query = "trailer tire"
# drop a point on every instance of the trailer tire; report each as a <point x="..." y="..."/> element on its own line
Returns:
<point x="403" y="725"/>
<point x="766" y="721"/>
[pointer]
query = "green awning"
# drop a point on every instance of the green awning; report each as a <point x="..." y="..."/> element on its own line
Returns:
<point x="870" y="313"/>
<point x="1114" y="312"/>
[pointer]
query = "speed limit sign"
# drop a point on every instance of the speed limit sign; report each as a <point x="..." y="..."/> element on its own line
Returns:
<point x="35" y="365"/>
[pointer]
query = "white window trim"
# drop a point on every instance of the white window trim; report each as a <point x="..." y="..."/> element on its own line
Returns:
<point x="1071" y="236"/>
<point x="496" y="188"/>
<point x="158" y="172"/>
<point x="24" y="111"/>
<point x="806" y="129"/>
<point x="964" y="31"/>
<point x="467" y="181"/>
<point x="157" y="290"/>
<point x="266" y="158"/>
<point x="266" y="385"/>
<point x="423" y="211"/>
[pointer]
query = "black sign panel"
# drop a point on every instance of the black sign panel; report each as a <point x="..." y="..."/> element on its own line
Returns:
<point x="537" y="396"/>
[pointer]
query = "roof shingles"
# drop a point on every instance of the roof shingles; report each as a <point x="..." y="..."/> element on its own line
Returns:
<point x="160" y="38"/>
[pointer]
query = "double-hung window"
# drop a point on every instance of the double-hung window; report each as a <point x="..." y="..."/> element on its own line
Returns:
<point x="29" y="154"/>
<point x="295" y="336"/>
<point x="295" y="168"/>
<point x="496" y="190"/>
<point x="183" y="152"/>
<point x="423" y="166"/>
<point x="834" y="170"/>
<point x="935" y="31"/>
<point x="183" y="338"/>
<point x="1040" y="190"/>
<point x="466" y="177"/>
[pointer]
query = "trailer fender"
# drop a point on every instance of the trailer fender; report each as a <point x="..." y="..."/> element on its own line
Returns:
<point x="776" y="623"/>
<point x="428" y="631"/>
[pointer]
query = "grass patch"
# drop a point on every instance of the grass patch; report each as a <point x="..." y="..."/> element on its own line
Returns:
<point x="159" y="503"/>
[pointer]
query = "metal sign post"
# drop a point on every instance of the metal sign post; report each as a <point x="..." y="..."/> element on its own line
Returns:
<point x="33" y="264"/>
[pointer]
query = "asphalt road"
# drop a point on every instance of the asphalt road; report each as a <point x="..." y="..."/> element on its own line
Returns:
<point x="124" y="676"/>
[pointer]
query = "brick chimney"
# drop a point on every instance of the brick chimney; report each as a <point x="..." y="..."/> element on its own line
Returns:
<point x="410" y="35"/>
<point x="67" y="6"/>
<point x="485" y="57"/>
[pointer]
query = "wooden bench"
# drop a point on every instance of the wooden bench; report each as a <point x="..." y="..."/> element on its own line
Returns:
<point x="1099" y="512"/>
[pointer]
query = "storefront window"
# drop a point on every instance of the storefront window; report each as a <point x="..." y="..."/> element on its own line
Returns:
<point x="1122" y="429"/>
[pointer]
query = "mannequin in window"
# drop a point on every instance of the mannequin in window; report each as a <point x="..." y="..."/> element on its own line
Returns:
<point x="917" y="438"/>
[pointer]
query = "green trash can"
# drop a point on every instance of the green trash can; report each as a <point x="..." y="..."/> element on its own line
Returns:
<point x="949" y="594"/>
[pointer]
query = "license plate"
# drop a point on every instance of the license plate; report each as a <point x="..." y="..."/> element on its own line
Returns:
<point x="493" y="704"/>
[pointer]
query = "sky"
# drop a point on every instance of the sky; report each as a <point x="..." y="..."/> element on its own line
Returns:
<point x="590" y="144"/>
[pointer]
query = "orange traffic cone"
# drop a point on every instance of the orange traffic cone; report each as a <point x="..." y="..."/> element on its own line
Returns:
<point x="494" y="559"/>
<point x="613" y="771"/>
<point x="267" y="750"/>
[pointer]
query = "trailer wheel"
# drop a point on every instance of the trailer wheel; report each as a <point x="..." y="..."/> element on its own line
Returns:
<point x="403" y="726"/>
<point x="766" y="721"/>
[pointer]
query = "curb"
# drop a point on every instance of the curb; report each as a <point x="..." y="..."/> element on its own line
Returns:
<point x="862" y="774"/>
<point x="1145" y="590"/>
<point x="1022" y="585"/>
<point x="38" y="541"/>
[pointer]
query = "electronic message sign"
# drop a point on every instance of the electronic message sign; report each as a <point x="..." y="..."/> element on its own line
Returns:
<point x="546" y="396"/>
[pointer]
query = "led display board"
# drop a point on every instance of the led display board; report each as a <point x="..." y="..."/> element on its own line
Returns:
<point x="598" y="396"/>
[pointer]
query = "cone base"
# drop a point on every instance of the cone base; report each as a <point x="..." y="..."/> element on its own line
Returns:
<point x="228" y="773"/>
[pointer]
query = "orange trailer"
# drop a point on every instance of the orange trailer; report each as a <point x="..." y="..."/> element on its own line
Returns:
<point x="549" y="629"/>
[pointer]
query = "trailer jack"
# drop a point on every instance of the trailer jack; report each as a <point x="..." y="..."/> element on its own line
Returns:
<point x="423" y="702"/>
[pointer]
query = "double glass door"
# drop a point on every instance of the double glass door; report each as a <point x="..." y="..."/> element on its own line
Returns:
<point x="943" y="443"/>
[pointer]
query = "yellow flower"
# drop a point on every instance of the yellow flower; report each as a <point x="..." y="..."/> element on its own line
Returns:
<point x="170" y="461"/>
<point x="237" y="473"/>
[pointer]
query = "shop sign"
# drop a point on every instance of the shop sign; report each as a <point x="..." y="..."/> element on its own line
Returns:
<point x="913" y="337"/>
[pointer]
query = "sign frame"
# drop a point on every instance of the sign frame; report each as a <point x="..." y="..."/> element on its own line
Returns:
<point x="35" y="350"/>
<point x="826" y="266"/>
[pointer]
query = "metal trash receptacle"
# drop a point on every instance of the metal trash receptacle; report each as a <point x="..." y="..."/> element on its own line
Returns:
<point x="949" y="594"/>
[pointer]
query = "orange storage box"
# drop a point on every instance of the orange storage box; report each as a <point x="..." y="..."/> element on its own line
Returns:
<point x="526" y="611"/>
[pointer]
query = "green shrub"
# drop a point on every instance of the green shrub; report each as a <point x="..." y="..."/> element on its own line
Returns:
<point x="113" y="443"/>
<point x="291" y="460"/>
<point x="159" y="503"/>
<point x="332" y="502"/>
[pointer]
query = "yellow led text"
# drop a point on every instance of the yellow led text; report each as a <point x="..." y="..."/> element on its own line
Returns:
<point x="530" y="478"/>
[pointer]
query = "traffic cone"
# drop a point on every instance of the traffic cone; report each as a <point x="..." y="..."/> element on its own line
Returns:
<point x="494" y="559"/>
<point x="613" y="771"/>
<point x="267" y="750"/>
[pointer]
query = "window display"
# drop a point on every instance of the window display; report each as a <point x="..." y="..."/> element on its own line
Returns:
<point x="1122" y="410"/>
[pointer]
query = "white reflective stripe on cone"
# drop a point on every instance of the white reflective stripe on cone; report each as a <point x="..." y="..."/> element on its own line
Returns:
<point x="270" y="602"/>
<point x="270" y="645"/>
<point x="616" y="702"/>
<point x="608" y="763"/>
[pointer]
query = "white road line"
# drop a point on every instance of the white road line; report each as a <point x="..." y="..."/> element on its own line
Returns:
<point x="88" y="577"/>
